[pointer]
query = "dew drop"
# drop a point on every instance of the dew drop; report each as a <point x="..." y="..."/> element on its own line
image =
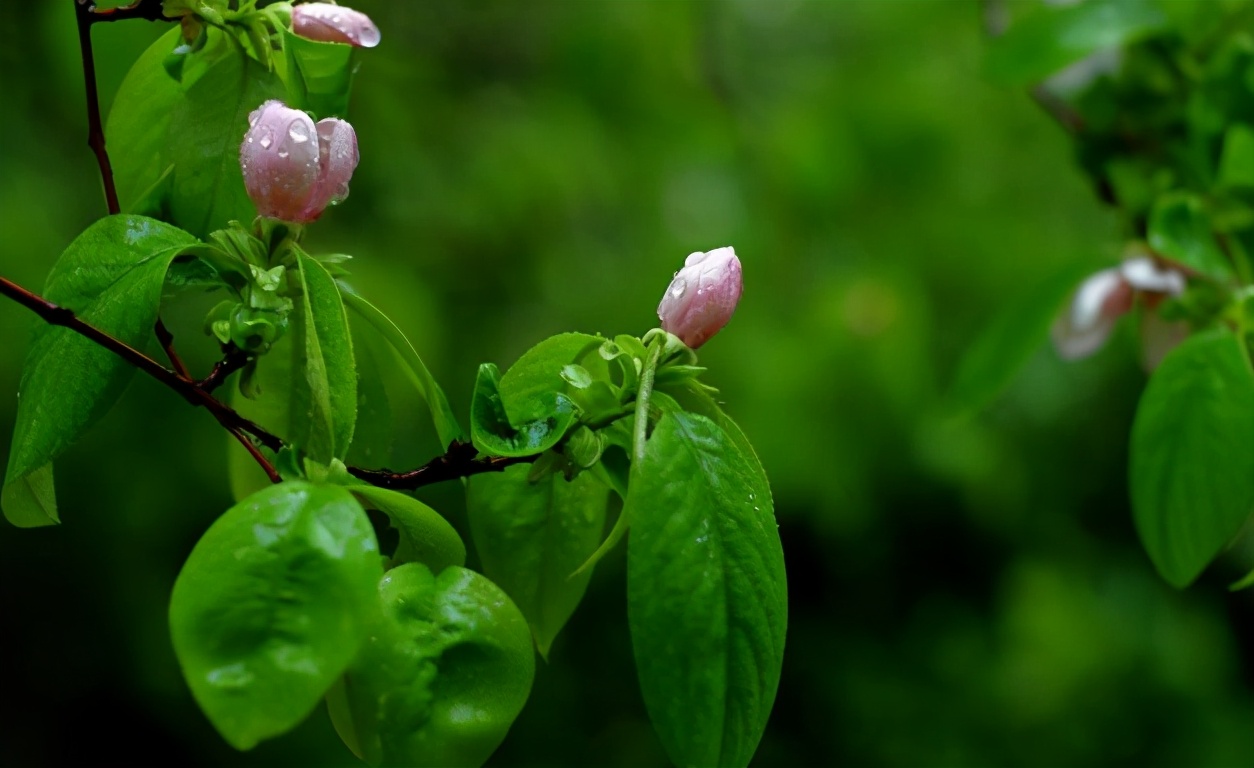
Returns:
<point x="283" y="153"/>
<point x="298" y="132"/>
<point x="678" y="287"/>
<point x="266" y="141"/>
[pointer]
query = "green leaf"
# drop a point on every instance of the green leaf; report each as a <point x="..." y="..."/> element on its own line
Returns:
<point x="528" y="386"/>
<point x="271" y="606"/>
<point x="1236" y="164"/>
<point x="449" y="670"/>
<point x="1180" y="230"/>
<point x="1011" y="338"/>
<point x="446" y="425"/>
<point x="111" y="276"/>
<point x="1053" y="37"/>
<point x="493" y="432"/>
<point x="531" y="537"/>
<point x="426" y="537"/>
<point x="1191" y="469"/>
<point x="271" y="385"/>
<point x="138" y="124"/>
<point x="324" y="389"/>
<point x="706" y="593"/>
<point x="376" y="426"/>
<point x="319" y="75"/>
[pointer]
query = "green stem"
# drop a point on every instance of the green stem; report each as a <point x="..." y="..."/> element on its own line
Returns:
<point x="643" y="394"/>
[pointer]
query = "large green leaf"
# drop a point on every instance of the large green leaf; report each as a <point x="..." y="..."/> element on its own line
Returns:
<point x="1191" y="466"/>
<point x="1053" y="37"/>
<point x="324" y="381"/>
<point x="449" y="669"/>
<point x="111" y="276"/>
<point x="1180" y="230"/>
<point x="139" y="122"/>
<point x="706" y="592"/>
<point x="271" y="606"/>
<point x="442" y="415"/>
<point x="532" y="536"/>
<point x="426" y="537"/>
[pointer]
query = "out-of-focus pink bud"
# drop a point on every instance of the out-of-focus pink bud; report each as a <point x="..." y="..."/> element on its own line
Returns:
<point x="330" y="23"/>
<point x="293" y="169"/>
<point x="702" y="297"/>
<point x="1087" y="323"/>
<point x="1107" y="295"/>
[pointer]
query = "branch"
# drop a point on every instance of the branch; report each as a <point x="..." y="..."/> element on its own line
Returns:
<point x="234" y="359"/>
<point x="149" y="10"/>
<point x="188" y="389"/>
<point x="461" y="460"/>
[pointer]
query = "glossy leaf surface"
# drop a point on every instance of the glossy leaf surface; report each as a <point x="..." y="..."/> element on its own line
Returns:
<point x="706" y="592"/>
<point x="324" y="381"/>
<point x="319" y="75"/>
<point x="111" y="276"/>
<point x="532" y="536"/>
<point x="271" y="606"/>
<point x="1191" y="469"/>
<point x="426" y="537"/>
<point x="1180" y="230"/>
<point x="447" y="670"/>
<point x="495" y="433"/>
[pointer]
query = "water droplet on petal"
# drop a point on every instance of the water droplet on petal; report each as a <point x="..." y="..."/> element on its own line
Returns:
<point x="283" y="153"/>
<point x="298" y="132"/>
<point x="678" y="287"/>
<point x="265" y="142"/>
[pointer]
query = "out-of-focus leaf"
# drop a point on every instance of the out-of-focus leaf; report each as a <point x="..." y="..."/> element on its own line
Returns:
<point x="1180" y="230"/>
<point x="1053" y="37"/>
<point x="1191" y="469"/>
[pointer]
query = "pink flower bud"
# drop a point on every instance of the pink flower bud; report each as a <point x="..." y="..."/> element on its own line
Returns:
<point x="1106" y="296"/>
<point x="330" y="23"/>
<point x="702" y="297"/>
<point x="293" y="169"/>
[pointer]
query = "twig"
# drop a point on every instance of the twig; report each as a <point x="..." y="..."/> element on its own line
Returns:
<point x="167" y="343"/>
<point x="233" y="359"/>
<point x="189" y="390"/>
<point x="461" y="460"/>
<point x="85" y="14"/>
<point x="149" y="10"/>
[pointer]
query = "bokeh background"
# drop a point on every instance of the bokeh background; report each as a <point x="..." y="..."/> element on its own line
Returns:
<point x="965" y="589"/>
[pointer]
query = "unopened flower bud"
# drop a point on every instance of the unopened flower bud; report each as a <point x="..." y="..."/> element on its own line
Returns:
<point x="1106" y="296"/>
<point x="330" y="23"/>
<point x="702" y="297"/>
<point x="293" y="169"/>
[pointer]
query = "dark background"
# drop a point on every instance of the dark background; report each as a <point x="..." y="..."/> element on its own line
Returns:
<point x="965" y="591"/>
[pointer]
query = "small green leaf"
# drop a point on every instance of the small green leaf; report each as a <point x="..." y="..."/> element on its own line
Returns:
<point x="450" y="668"/>
<point x="446" y="425"/>
<point x="532" y="536"/>
<point x="271" y="606"/>
<point x="1191" y="469"/>
<point x="426" y="537"/>
<point x="493" y="431"/>
<point x="706" y="593"/>
<point x="1236" y="164"/>
<point x="324" y="391"/>
<point x="1180" y="230"/>
<point x="319" y="75"/>
<point x="1053" y="37"/>
<point x="528" y="386"/>
<point x="1011" y="338"/>
<point x="111" y="276"/>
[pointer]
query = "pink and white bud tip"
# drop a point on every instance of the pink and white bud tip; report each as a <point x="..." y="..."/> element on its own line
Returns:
<point x="293" y="168"/>
<point x="702" y="297"/>
<point x="331" y="23"/>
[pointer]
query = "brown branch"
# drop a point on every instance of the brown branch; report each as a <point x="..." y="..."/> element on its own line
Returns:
<point x="166" y="340"/>
<point x="461" y="460"/>
<point x="233" y="359"/>
<point x="188" y="389"/>
<point x="95" y="130"/>
<point x="149" y="10"/>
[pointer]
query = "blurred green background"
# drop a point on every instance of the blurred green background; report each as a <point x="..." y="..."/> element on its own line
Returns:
<point x="965" y="590"/>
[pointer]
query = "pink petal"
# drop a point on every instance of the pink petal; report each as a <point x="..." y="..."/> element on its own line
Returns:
<point x="703" y="296"/>
<point x="337" y="159"/>
<point x="1084" y="327"/>
<point x="330" y="23"/>
<point x="279" y="161"/>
